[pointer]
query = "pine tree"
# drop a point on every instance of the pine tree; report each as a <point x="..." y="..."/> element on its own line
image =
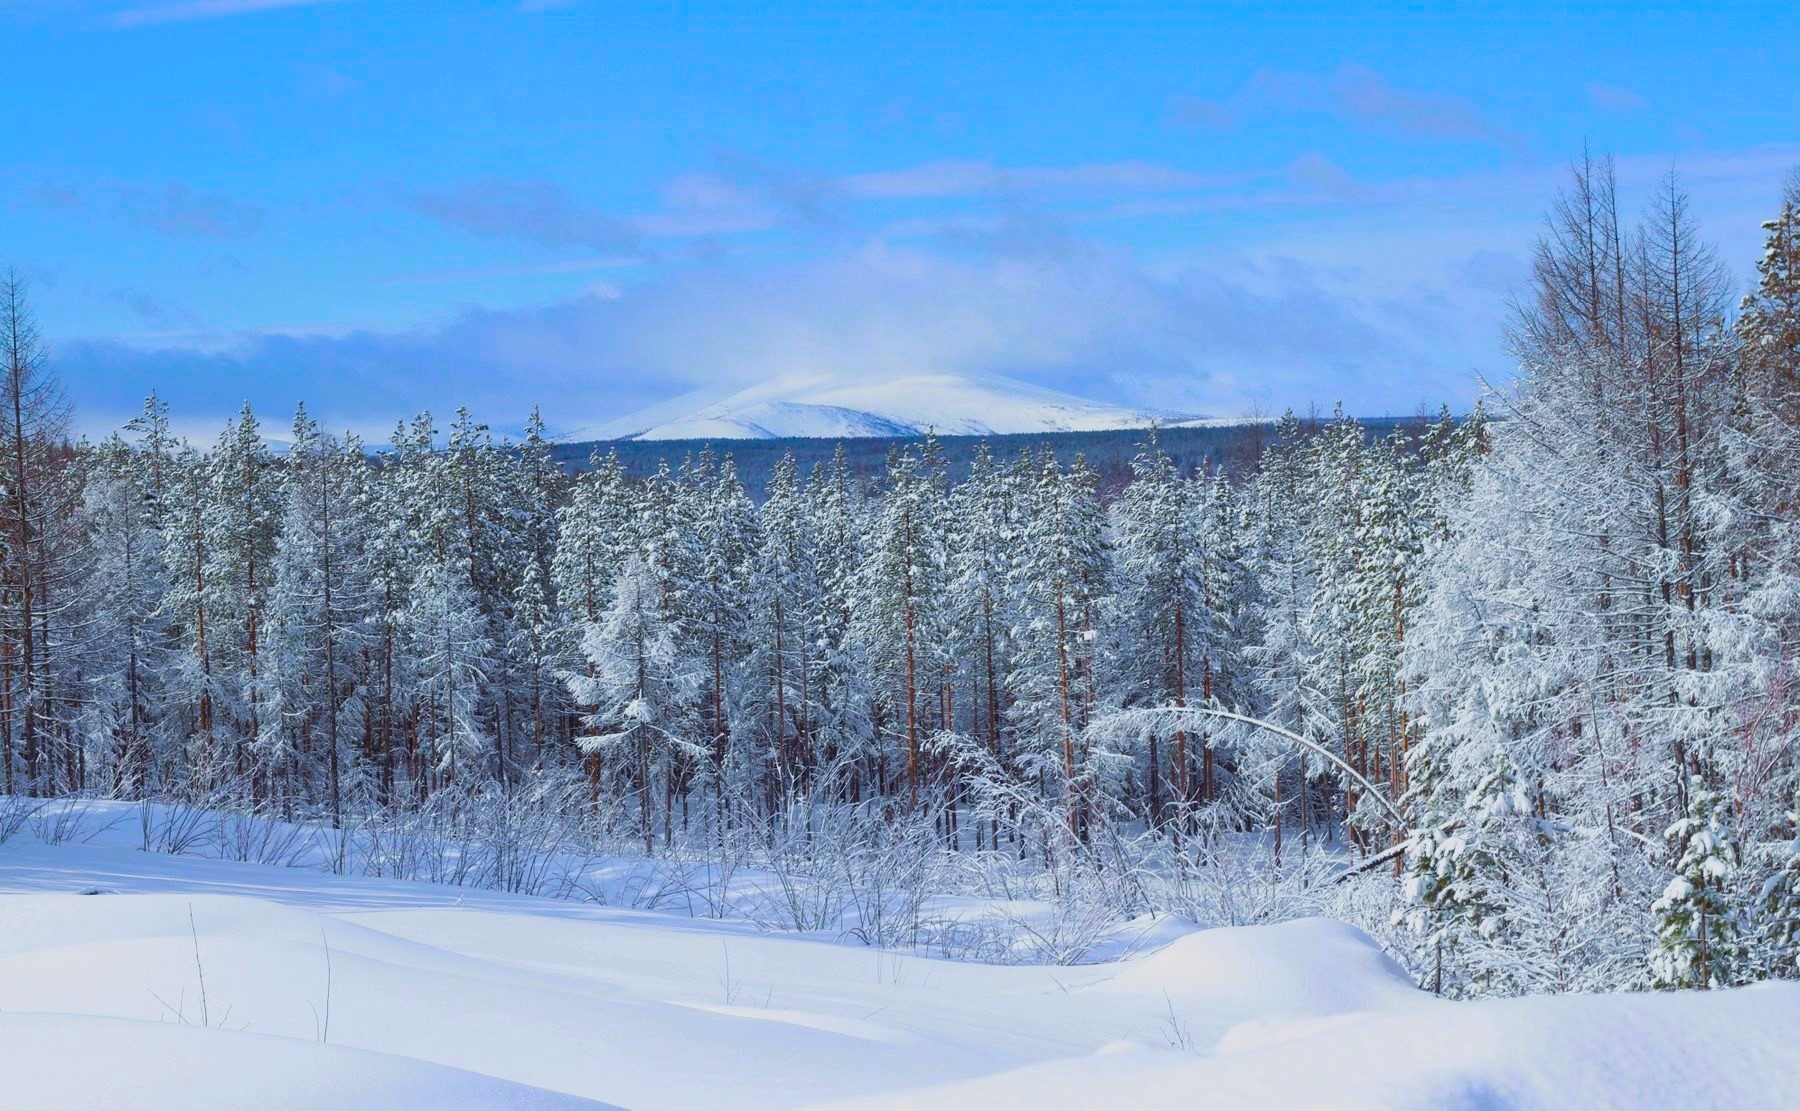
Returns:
<point x="447" y="641"/>
<point x="724" y="534"/>
<point x="1777" y="938"/>
<point x="838" y="517"/>
<point x="1159" y="525"/>
<point x="124" y="592"/>
<point x="986" y="529"/>
<point x="537" y="651"/>
<point x="1282" y="661"/>
<point x="785" y="613"/>
<point x="318" y="606"/>
<point x="638" y="685"/>
<point x="596" y="531"/>
<point x="1228" y="592"/>
<point x="240" y="524"/>
<point x="1061" y="582"/>
<point x="899" y="586"/>
<point x="534" y="648"/>
<point x="396" y="545"/>
<point x="1389" y="547"/>
<point x="1755" y="564"/>
<point x="191" y="690"/>
<point x="1337" y="467"/>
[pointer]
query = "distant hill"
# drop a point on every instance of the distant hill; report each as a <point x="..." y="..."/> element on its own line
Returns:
<point x="838" y="407"/>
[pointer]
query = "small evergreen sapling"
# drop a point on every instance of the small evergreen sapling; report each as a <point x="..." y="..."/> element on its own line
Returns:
<point x="1697" y="928"/>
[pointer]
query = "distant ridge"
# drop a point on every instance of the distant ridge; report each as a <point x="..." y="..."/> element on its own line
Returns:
<point x="828" y="407"/>
<point x="1229" y="447"/>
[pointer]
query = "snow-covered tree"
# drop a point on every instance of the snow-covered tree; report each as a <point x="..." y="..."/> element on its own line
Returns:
<point x="1060" y="582"/>
<point x="1697" y="928"/>
<point x="241" y="522"/>
<point x="784" y="613"/>
<point x="318" y="614"/>
<point x="126" y="588"/>
<point x="637" y="685"/>
<point x="1161" y="540"/>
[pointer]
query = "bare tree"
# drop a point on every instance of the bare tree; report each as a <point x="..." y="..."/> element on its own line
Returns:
<point x="33" y="420"/>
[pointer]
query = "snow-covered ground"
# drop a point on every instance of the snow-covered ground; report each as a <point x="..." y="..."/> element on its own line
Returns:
<point x="189" y="982"/>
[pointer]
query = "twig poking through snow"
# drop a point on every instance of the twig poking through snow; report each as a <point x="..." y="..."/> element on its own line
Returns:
<point x="199" y="969"/>
<point x="725" y="980"/>
<point x="322" y="1030"/>
<point x="1175" y="1030"/>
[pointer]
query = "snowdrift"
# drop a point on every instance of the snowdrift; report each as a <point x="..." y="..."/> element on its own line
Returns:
<point x="1314" y="966"/>
<point x="1729" y="1049"/>
<point x="82" y="1061"/>
<point x="206" y="983"/>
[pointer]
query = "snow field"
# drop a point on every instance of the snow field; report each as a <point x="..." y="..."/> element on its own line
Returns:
<point x="324" y="991"/>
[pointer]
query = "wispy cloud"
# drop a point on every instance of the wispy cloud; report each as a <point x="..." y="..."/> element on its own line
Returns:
<point x="747" y="194"/>
<point x="324" y="82"/>
<point x="743" y="194"/>
<point x="974" y="178"/>
<point x="1355" y="94"/>
<point x="514" y="270"/>
<point x="1321" y="173"/>
<point x="195" y="11"/>
<point x="180" y="210"/>
<point x="152" y="309"/>
<point x="1202" y="111"/>
<point x="1615" y="98"/>
<point x="532" y="211"/>
<point x="740" y="195"/>
<point x="51" y="195"/>
<point x="172" y="209"/>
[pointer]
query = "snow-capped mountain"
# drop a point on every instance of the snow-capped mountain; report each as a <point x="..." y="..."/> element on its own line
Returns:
<point x="830" y="407"/>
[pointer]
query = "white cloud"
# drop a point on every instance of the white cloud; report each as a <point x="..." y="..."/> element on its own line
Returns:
<point x="194" y="11"/>
<point x="1217" y="335"/>
<point x="1382" y="293"/>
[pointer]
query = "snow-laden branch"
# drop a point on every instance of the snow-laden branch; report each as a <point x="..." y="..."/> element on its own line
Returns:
<point x="1124" y="719"/>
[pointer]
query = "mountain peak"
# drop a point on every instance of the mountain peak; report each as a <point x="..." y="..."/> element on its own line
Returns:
<point x="823" y="406"/>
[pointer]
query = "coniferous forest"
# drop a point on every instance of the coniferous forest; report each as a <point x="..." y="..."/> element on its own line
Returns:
<point x="1515" y="688"/>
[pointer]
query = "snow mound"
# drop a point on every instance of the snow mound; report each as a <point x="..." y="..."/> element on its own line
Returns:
<point x="1676" y="1051"/>
<point x="1312" y="966"/>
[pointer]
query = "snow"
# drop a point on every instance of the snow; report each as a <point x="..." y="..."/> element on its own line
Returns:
<point x="1727" y="1049"/>
<point x="328" y="991"/>
<point x="839" y="407"/>
<point x="1313" y="966"/>
<point x="54" y="1060"/>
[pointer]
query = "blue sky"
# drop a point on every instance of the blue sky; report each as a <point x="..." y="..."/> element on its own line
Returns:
<point x="380" y="208"/>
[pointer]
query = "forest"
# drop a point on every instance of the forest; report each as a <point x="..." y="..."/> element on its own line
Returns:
<point x="1514" y="688"/>
<point x="1234" y="448"/>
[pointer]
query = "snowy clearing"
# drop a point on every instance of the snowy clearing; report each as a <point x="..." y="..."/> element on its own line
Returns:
<point x="188" y="982"/>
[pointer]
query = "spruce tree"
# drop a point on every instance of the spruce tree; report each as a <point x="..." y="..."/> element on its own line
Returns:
<point x="1697" y="928"/>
